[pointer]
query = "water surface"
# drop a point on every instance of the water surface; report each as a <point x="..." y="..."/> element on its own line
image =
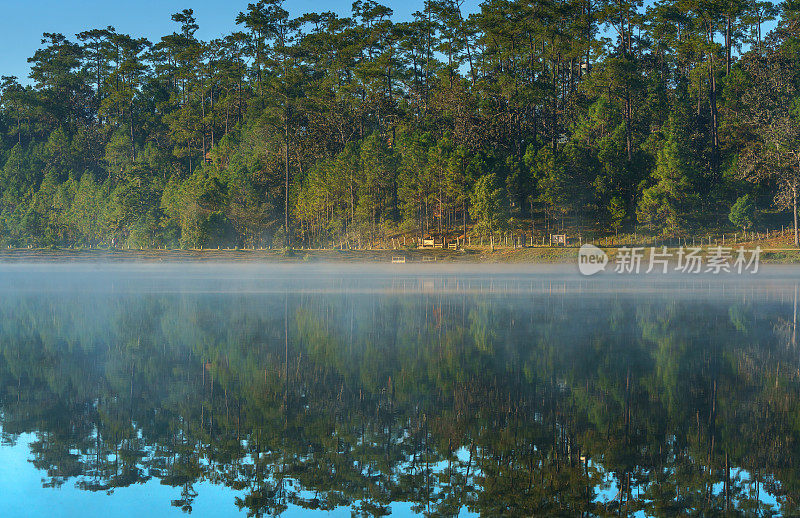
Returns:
<point x="302" y="390"/>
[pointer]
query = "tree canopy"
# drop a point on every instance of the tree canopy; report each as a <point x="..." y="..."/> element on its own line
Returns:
<point x="324" y="129"/>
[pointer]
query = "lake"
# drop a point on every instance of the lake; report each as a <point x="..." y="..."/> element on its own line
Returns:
<point x="308" y="389"/>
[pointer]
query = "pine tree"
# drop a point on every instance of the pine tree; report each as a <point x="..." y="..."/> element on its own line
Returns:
<point x="743" y="212"/>
<point x="489" y="205"/>
<point x="668" y="204"/>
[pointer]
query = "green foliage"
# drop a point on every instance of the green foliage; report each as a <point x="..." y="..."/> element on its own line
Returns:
<point x="743" y="212"/>
<point x="323" y="130"/>
<point x="488" y="202"/>
<point x="616" y="213"/>
<point x="671" y="201"/>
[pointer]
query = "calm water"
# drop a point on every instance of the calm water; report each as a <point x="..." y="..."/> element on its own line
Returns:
<point x="308" y="390"/>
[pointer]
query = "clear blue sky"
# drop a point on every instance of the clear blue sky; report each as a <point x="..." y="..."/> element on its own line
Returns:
<point x="23" y="21"/>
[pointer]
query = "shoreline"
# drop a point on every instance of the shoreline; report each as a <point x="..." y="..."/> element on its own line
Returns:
<point x="530" y="255"/>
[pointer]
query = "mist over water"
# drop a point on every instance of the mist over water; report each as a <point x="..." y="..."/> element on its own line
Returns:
<point x="442" y="390"/>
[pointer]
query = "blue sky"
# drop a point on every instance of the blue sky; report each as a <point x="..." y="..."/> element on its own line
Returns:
<point x="23" y="21"/>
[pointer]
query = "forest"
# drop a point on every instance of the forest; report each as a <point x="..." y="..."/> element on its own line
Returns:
<point x="597" y="116"/>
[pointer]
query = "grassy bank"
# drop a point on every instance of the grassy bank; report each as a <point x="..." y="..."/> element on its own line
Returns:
<point x="550" y="255"/>
<point x="779" y="253"/>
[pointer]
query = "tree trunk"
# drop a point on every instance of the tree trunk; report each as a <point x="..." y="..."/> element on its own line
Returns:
<point x="628" y="133"/>
<point x="714" y="118"/>
<point x="727" y="44"/>
<point x="464" y="216"/>
<point x="286" y="190"/>
<point x="794" y="213"/>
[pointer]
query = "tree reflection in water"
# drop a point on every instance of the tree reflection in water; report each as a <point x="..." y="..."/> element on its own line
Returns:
<point x="504" y="404"/>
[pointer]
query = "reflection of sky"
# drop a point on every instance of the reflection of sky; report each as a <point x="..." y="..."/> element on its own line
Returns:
<point x="609" y="490"/>
<point x="22" y="495"/>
